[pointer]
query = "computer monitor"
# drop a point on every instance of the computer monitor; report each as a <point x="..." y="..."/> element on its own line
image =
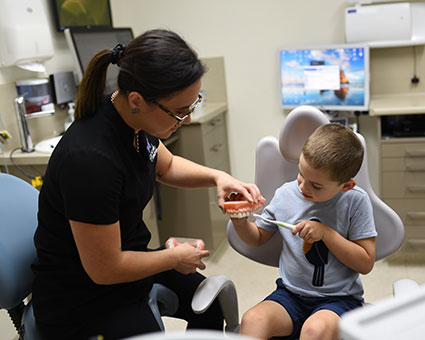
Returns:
<point x="85" y="42"/>
<point x="331" y="78"/>
<point x="83" y="13"/>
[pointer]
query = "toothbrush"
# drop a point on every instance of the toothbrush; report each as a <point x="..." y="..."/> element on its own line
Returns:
<point x="306" y="246"/>
<point x="279" y="223"/>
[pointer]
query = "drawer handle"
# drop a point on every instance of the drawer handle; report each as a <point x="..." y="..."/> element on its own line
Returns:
<point x="416" y="242"/>
<point x="415" y="152"/>
<point x="416" y="215"/>
<point x="416" y="188"/>
<point x="415" y="167"/>
<point x="215" y="122"/>
<point x="217" y="147"/>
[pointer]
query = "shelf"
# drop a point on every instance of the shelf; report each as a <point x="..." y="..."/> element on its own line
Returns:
<point x="39" y="114"/>
<point x="395" y="43"/>
<point x="397" y="104"/>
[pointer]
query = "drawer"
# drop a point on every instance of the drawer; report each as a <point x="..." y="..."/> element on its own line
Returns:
<point x="411" y="211"/>
<point x="409" y="164"/>
<point x="403" y="150"/>
<point x="215" y="123"/>
<point x="403" y="184"/>
<point x="414" y="232"/>
<point x="414" y="239"/>
<point x="215" y="147"/>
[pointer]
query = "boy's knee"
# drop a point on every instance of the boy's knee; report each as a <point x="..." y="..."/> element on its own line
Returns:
<point x="314" y="329"/>
<point x="252" y="318"/>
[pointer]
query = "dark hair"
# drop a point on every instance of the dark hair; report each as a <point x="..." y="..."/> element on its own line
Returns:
<point x="156" y="64"/>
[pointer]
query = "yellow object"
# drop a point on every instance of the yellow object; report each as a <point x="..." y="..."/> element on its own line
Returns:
<point x="5" y="134"/>
<point x="37" y="182"/>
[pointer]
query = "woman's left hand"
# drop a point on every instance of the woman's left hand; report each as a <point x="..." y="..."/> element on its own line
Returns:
<point x="227" y="184"/>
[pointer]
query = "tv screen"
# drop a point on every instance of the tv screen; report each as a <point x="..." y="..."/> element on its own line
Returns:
<point x="327" y="77"/>
<point x="82" y="13"/>
<point x="84" y="43"/>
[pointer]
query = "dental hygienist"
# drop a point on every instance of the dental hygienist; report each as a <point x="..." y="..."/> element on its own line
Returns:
<point x="93" y="270"/>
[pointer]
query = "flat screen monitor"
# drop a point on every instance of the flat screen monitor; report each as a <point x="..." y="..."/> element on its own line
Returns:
<point x="331" y="78"/>
<point x="81" y="13"/>
<point x="85" y="42"/>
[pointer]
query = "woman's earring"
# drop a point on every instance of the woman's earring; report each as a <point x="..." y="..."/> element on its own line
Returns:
<point x="134" y="111"/>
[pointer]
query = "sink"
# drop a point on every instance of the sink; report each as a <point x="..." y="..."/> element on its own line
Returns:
<point x="47" y="145"/>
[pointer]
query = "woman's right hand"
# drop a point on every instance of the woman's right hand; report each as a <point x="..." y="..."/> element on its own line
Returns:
<point x="189" y="258"/>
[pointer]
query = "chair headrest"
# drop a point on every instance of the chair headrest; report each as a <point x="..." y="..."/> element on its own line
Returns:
<point x="297" y="127"/>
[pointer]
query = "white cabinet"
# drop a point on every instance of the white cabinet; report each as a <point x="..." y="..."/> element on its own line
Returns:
<point x="403" y="185"/>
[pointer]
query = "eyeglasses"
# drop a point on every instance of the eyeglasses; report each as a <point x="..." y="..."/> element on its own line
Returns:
<point x="190" y="109"/>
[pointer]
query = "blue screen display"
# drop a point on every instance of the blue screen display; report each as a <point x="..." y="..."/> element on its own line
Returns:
<point x="329" y="78"/>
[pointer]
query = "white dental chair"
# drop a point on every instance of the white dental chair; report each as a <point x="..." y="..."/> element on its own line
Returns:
<point x="18" y="222"/>
<point x="277" y="163"/>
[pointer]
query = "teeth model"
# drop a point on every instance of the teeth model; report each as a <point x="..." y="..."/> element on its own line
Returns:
<point x="241" y="209"/>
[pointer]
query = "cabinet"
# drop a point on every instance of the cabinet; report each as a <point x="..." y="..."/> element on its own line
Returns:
<point x="402" y="167"/>
<point x="403" y="185"/>
<point x="194" y="213"/>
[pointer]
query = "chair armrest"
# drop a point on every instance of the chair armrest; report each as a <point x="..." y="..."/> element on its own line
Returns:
<point x="222" y="287"/>
<point x="163" y="302"/>
<point x="404" y="286"/>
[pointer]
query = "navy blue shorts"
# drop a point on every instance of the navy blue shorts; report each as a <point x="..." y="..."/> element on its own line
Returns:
<point x="300" y="307"/>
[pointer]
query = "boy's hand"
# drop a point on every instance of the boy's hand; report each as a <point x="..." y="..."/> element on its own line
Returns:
<point x="310" y="231"/>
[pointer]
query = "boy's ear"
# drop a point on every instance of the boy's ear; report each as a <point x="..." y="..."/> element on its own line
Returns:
<point x="348" y="185"/>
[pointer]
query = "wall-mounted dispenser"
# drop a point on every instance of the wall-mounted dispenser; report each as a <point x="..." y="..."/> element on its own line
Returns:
<point x="25" y="37"/>
<point x="386" y="25"/>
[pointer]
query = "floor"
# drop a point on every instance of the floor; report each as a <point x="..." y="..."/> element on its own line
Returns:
<point x="254" y="281"/>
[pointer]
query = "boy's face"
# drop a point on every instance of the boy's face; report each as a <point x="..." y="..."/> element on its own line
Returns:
<point x="316" y="185"/>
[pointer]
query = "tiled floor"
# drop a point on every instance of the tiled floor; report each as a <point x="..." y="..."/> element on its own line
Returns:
<point x="254" y="281"/>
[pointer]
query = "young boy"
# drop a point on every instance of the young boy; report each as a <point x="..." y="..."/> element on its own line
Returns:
<point x="335" y="227"/>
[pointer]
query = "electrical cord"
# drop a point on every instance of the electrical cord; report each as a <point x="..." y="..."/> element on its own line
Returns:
<point x="17" y="166"/>
<point x="36" y="181"/>
<point x="1" y="147"/>
<point x="414" y="79"/>
<point x="4" y="159"/>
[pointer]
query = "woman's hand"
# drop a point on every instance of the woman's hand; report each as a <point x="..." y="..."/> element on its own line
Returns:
<point x="227" y="184"/>
<point x="189" y="258"/>
<point x="189" y="255"/>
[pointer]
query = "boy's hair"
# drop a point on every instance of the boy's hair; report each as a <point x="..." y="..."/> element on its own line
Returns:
<point x="335" y="148"/>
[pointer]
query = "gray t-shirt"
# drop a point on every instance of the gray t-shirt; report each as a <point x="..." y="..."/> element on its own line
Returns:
<point x="319" y="273"/>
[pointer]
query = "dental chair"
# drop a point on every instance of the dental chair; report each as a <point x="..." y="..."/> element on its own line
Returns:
<point x="18" y="222"/>
<point x="277" y="163"/>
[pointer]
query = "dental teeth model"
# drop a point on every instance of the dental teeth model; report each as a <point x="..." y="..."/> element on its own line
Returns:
<point x="241" y="209"/>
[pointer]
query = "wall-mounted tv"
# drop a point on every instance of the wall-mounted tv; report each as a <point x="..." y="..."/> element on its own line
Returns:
<point x="331" y="78"/>
<point x="82" y="13"/>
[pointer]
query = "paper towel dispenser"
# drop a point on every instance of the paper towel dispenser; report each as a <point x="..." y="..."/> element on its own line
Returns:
<point x="386" y="25"/>
<point x="25" y="36"/>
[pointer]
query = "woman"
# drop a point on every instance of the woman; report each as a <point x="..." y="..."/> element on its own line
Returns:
<point x="93" y="270"/>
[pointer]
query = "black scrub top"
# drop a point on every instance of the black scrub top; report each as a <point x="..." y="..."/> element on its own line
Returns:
<point x="96" y="176"/>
